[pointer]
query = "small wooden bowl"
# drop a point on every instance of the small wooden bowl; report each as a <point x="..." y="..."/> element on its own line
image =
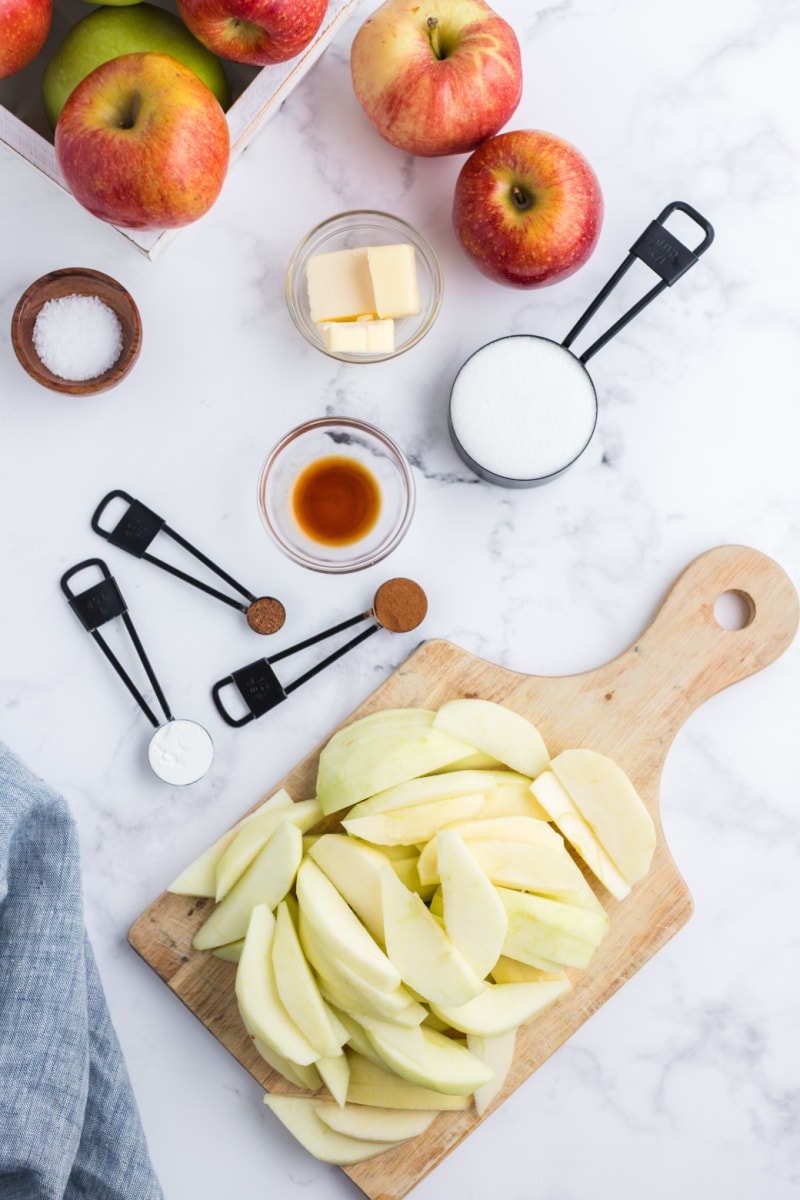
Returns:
<point x="76" y="281"/>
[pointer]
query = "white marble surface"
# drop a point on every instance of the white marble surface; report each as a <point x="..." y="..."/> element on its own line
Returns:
<point x="687" y="1081"/>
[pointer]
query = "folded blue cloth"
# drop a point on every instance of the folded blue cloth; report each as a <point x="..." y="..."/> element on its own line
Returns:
<point x="69" y="1125"/>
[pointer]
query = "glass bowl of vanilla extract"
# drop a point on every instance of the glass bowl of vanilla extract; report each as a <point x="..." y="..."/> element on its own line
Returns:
<point x="336" y="494"/>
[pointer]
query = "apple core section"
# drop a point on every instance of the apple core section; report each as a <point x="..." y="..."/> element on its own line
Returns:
<point x="523" y="408"/>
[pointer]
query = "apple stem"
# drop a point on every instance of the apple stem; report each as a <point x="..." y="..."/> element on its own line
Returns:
<point x="433" y="36"/>
<point x="521" y="198"/>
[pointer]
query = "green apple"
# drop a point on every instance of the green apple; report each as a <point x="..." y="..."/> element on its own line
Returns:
<point x="109" y="32"/>
<point x="375" y="1124"/>
<point x="200" y="877"/>
<point x="380" y="750"/>
<point x="266" y="881"/>
<point x="299" y="991"/>
<point x="475" y="919"/>
<point x="371" y="1083"/>
<point x="254" y="835"/>
<point x="503" y="1007"/>
<point x="496" y="730"/>
<point x="419" y="947"/>
<point x="607" y="800"/>
<point x="299" y="1115"/>
<point x="260" y="1005"/>
<point x="553" y="796"/>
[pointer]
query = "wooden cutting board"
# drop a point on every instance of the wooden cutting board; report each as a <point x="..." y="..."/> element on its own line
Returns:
<point x="631" y="709"/>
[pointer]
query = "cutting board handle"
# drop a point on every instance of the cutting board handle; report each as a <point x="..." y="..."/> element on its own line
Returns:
<point x="688" y="655"/>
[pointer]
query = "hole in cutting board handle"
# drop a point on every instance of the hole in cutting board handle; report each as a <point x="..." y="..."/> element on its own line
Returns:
<point x="734" y="610"/>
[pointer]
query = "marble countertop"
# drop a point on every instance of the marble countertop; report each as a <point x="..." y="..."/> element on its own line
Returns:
<point x="687" y="1080"/>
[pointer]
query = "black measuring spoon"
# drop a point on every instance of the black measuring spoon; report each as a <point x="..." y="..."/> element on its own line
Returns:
<point x="523" y="408"/>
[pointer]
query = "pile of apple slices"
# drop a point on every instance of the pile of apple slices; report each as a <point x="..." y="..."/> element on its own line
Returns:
<point x="393" y="962"/>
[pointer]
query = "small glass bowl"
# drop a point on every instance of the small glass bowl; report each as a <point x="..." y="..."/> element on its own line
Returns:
<point x="76" y="281"/>
<point x="348" y="231"/>
<point x="336" y="437"/>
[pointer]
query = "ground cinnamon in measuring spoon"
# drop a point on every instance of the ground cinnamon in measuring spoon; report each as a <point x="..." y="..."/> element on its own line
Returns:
<point x="266" y="615"/>
<point x="400" y="605"/>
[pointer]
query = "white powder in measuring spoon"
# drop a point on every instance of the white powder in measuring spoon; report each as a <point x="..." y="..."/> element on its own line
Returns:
<point x="77" y="337"/>
<point x="180" y="751"/>
<point x="523" y="407"/>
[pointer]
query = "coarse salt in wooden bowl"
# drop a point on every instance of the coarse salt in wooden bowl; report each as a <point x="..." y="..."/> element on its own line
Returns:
<point x="60" y="286"/>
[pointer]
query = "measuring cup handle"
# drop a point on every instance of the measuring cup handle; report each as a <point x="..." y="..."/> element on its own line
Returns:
<point x="660" y="250"/>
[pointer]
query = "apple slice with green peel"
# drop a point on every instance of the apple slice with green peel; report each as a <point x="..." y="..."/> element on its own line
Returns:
<point x="331" y="917"/>
<point x="609" y="803"/>
<point x="498" y="1054"/>
<point x="371" y="1083"/>
<point x="381" y="750"/>
<point x="375" y="1124"/>
<point x="354" y="868"/>
<point x="420" y="949"/>
<point x="260" y="1005"/>
<point x="544" y="929"/>
<point x="255" y="834"/>
<point x="430" y="1059"/>
<point x="503" y="1007"/>
<point x="200" y="877"/>
<point x="299" y="991"/>
<point x="410" y="826"/>
<point x="306" y="1076"/>
<point x="299" y="1115"/>
<point x="496" y="730"/>
<point x="552" y="796"/>
<point x="335" y="1074"/>
<point x="475" y="919"/>
<point x="266" y="881"/>
<point x="513" y="829"/>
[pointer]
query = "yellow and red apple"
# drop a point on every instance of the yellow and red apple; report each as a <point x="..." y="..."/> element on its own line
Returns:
<point x="143" y="143"/>
<point x="259" y="32"/>
<point x="24" y="26"/>
<point x="527" y="208"/>
<point x="436" y="76"/>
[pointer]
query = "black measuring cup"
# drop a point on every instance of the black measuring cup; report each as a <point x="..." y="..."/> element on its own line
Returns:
<point x="523" y="408"/>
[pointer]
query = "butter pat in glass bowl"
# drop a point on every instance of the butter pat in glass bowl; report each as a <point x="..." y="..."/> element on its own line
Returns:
<point x="336" y="495"/>
<point x="360" y="230"/>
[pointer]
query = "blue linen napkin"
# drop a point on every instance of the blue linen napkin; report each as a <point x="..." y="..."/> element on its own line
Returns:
<point x="69" y="1124"/>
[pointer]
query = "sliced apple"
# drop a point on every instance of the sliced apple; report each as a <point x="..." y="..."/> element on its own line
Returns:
<point x="375" y="1124"/>
<point x="527" y="867"/>
<point x="428" y="788"/>
<point x="200" y="877"/>
<point x="609" y="803"/>
<point x="429" y="1059"/>
<point x="512" y="828"/>
<point x="329" y="914"/>
<point x="511" y="970"/>
<point x="409" y="826"/>
<point x="306" y="1076"/>
<point x="540" y="928"/>
<point x="254" y="835"/>
<point x="299" y="991"/>
<point x="513" y="799"/>
<point x="496" y="730"/>
<point x="260" y="1005"/>
<point x="266" y="881"/>
<point x="475" y="918"/>
<point x="503" y="1007"/>
<point x="354" y="868"/>
<point x="553" y="797"/>
<point x="335" y="1074"/>
<point x="379" y="751"/>
<point x="371" y="1083"/>
<point x="498" y="1054"/>
<point x="420" y="949"/>
<point x="299" y="1115"/>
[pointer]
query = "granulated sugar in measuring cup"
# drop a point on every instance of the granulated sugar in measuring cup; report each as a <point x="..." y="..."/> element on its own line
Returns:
<point x="523" y="408"/>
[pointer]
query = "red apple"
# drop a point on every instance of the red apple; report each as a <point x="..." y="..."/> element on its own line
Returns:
<point x="260" y="32"/>
<point x="24" y="26"/>
<point x="527" y="208"/>
<point x="436" y="76"/>
<point x="143" y="143"/>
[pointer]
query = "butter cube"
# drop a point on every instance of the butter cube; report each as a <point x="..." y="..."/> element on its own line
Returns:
<point x="394" y="280"/>
<point x="363" y="336"/>
<point x="340" y="285"/>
